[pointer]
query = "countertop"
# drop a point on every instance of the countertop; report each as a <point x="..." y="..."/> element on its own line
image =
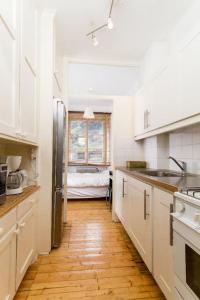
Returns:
<point x="170" y="184"/>
<point x="13" y="200"/>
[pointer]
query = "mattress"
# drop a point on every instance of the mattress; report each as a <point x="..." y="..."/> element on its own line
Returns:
<point x="86" y="192"/>
<point x="100" y="179"/>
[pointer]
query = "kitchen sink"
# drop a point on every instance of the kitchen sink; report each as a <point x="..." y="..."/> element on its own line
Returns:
<point x="163" y="173"/>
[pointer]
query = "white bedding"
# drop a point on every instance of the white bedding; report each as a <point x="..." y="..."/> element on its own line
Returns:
<point x="86" y="192"/>
<point x="81" y="180"/>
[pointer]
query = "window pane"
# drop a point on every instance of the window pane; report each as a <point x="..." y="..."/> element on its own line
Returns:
<point x="95" y="141"/>
<point x="77" y="142"/>
<point x="78" y="127"/>
<point x="95" y="127"/>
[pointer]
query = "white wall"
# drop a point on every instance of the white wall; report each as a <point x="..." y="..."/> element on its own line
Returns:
<point x="123" y="143"/>
<point x="103" y="79"/>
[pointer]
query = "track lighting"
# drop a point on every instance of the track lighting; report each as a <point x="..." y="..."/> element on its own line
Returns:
<point x="110" y="23"/>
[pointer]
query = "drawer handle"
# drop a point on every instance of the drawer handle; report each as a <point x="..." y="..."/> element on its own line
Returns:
<point x="22" y="225"/>
<point x="17" y="231"/>
<point x="1" y="231"/>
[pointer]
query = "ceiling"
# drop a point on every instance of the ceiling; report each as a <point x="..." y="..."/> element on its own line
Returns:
<point x="137" y="24"/>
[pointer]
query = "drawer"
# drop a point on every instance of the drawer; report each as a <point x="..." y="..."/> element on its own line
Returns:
<point x="26" y="205"/>
<point x="8" y="221"/>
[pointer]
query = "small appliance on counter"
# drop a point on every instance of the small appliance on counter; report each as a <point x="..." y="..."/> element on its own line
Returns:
<point x="17" y="179"/>
<point x="3" y="178"/>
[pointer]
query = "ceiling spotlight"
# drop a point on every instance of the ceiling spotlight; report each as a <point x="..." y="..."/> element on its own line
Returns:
<point x="110" y="23"/>
<point x="95" y="41"/>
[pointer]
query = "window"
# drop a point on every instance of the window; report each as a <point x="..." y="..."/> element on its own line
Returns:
<point x="89" y="140"/>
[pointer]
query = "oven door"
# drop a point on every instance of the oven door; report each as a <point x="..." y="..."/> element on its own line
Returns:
<point x="187" y="262"/>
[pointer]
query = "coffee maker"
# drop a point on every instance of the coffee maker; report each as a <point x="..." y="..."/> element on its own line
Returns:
<point x="15" y="179"/>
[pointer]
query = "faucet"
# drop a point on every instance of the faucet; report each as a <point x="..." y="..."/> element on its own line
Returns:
<point x="181" y="164"/>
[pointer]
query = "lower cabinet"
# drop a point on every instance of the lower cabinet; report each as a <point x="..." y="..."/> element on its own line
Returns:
<point x="163" y="242"/>
<point x="25" y="245"/>
<point x="8" y="263"/>
<point x="17" y="245"/>
<point x="133" y="208"/>
<point x="140" y="218"/>
<point x="144" y="211"/>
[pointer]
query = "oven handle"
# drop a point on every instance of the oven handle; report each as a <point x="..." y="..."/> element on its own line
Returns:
<point x="171" y="238"/>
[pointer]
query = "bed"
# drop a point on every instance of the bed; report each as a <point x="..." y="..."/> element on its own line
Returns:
<point x="85" y="184"/>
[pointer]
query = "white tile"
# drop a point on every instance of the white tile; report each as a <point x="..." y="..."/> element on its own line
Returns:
<point x="196" y="151"/>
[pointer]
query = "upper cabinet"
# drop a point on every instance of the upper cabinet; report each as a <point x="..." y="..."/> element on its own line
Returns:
<point x="9" y="66"/>
<point x="18" y="63"/>
<point x="169" y="94"/>
<point x="28" y="71"/>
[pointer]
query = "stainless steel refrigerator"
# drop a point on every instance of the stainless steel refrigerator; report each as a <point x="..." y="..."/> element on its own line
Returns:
<point x="59" y="125"/>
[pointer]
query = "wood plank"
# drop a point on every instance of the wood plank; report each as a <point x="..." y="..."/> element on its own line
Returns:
<point x="96" y="261"/>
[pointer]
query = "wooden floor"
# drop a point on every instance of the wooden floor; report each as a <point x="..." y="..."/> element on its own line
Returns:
<point x="95" y="261"/>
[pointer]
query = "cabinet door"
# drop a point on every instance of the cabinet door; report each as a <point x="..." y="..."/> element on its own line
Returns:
<point x="28" y="71"/>
<point x="140" y="218"/>
<point x="9" y="61"/>
<point x="118" y="194"/>
<point x="162" y="258"/>
<point x="8" y="265"/>
<point x="189" y="76"/>
<point x="25" y="245"/>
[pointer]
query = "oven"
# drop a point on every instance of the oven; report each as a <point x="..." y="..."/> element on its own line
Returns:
<point x="186" y="237"/>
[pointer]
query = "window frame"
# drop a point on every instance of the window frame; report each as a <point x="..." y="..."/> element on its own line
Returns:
<point x="106" y="118"/>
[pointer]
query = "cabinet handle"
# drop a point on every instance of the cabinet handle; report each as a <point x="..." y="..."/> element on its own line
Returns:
<point x="123" y="193"/>
<point x="32" y="201"/>
<point x="1" y="231"/>
<point x="22" y="225"/>
<point x="145" y="114"/>
<point x="148" y="115"/>
<point x="17" y="231"/>
<point x="171" y="238"/>
<point x="145" y="204"/>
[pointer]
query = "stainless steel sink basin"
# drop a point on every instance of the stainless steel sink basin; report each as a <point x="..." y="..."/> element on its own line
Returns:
<point x="162" y="173"/>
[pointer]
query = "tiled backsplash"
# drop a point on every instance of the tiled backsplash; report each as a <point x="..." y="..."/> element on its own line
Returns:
<point x="183" y="144"/>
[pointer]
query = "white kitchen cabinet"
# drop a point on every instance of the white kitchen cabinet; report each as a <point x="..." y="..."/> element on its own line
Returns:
<point x="118" y="181"/>
<point x="18" y="245"/>
<point x="140" y="218"/>
<point x="162" y="245"/>
<point x="28" y="71"/>
<point x="26" y="236"/>
<point x="121" y="197"/>
<point x="132" y="203"/>
<point x="7" y="255"/>
<point x="25" y="245"/>
<point x="18" y="64"/>
<point x="189" y="76"/>
<point x="9" y="66"/>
